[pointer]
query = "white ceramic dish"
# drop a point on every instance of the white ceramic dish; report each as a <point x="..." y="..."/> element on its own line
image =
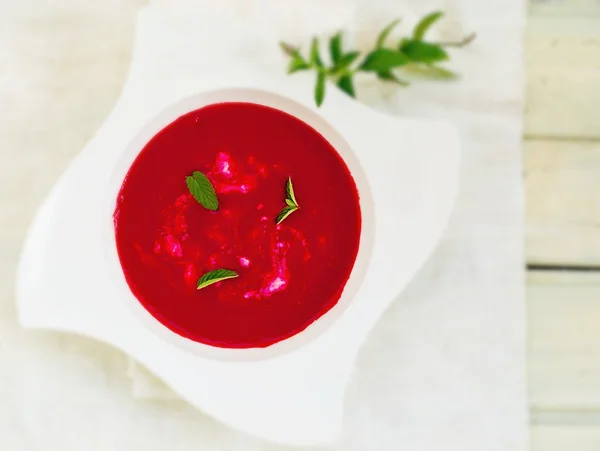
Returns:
<point x="297" y="110"/>
<point x="291" y="392"/>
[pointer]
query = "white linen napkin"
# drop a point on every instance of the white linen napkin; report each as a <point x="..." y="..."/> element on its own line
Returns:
<point x="445" y="367"/>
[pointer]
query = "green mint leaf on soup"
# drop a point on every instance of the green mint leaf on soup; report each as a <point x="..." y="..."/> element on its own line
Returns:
<point x="425" y="24"/>
<point x="290" y="201"/>
<point x="289" y="191"/>
<point x="202" y="190"/>
<point x="218" y="275"/>
<point x="284" y="213"/>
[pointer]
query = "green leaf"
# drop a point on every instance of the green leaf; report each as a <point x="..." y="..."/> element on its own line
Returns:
<point x="441" y="73"/>
<point x="335" y="48"/>
<point x="215" y="276"/>
<point x="426" y="23"/>
<point x="284" y="213"/>
<point x="346" y="60"/>
<point x="202" y="190"/>
<point x="315" y="57"/>
<point x="382" y="60"/>
<point x="289" y="191"/>
<point x="423" y="52"/>
<point x="344" y="63"/>
<point x="297" y="63"/>
<point x="389" y="76"/>
<point x="385" y="33"/>
<point x="431" y="72"/>
<point x="320" y="88"/>
<point x="291" y="203"/>
<point x="345" y="84"/>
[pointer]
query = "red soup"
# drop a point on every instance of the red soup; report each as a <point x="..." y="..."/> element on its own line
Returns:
<point x="286" y="275"/>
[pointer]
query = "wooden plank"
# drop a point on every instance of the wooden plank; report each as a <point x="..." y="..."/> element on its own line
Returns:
<point x="564" y="8"/>
<point x="564" y="341"/>
<point x="562" y="181"/>
<point x="565" y="438"/>
<point x="563" y="69"/>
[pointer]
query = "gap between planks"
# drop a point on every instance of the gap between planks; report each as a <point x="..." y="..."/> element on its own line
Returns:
<point x="562" y="203"/>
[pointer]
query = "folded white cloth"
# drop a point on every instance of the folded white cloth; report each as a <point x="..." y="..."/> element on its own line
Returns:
<point x="445" y="368"/>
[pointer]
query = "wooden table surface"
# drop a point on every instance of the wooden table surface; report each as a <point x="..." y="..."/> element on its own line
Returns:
<point x="562" y="176"/>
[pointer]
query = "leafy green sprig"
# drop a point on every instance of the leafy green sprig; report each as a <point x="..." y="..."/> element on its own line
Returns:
<point x="291" y="204"/>
<point x="412" y="54"/>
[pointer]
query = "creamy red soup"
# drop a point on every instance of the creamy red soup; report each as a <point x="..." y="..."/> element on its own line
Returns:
<point x="289" y="274"/>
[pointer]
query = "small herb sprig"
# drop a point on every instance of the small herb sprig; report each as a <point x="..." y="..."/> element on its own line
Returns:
<point x="202" y="190"/>
<point x="412" y="54"/>
<point x="291" y="205"/>
<point x="218" y="275"/>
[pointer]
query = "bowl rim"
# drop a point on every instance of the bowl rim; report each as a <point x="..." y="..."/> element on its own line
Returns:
<point x="322" y="324"/>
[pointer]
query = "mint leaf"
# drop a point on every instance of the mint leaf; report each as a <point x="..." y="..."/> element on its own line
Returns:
<point x="431" y="72"/>
<point x="297" y="63"/>
<point x="425" y="24"/>
<point x="382" y="60"/>
<point x="423" y="52"/>
<point x="290" y="200"/>
<point x="345" y="84"/>
<point x="343" y="65"/>
<point x="335" y="48"/>
<point x="215" y="276"/>
<point x="320" y="88"/>
<point x="440" y="73"/>
<point x="315" y="57"/>
<point x="412" y="54"/>
<point x="202" y="190"/>
<point x="389" y="76"/>
<point x="289" y="191"/>
<point x="347" y="59"/>
<point x="385" y="33"/>
<point x="284" y="213"/>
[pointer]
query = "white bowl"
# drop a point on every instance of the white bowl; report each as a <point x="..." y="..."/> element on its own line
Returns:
<point x="261" y="97"/>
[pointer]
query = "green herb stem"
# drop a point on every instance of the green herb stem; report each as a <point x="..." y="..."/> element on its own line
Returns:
<point x="411" y="54"/>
